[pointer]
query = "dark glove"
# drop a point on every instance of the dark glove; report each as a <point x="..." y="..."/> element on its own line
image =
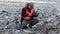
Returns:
<point x="36" y="14"/>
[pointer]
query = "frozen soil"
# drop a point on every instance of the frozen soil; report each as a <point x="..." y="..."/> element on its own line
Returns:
<point x="49" y="18"/>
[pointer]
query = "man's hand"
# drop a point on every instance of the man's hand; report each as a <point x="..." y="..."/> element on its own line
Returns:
<point x="28" y="25"/>
<point x="30" y="14"/>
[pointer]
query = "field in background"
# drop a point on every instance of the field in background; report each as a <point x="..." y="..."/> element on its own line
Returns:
<point x="48" y="12"/>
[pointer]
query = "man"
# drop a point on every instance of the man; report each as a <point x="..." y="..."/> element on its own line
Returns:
<point x="28" y="15"/>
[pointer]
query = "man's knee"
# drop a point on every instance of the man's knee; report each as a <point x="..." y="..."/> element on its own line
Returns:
<point x="34" y="21"/>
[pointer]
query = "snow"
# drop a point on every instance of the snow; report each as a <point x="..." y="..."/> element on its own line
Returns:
<point x="48" y="13"/>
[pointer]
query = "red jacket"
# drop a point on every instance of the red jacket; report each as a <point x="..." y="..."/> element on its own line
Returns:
<point x="29" y="12"/>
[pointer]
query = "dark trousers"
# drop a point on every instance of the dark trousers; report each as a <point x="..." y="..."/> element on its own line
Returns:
<point x="31" y="23"/>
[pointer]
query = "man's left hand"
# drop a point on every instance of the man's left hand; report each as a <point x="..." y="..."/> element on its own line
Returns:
<point x="30" y="14"/>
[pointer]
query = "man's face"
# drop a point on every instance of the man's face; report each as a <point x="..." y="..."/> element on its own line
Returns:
<point x="29" y="7"/>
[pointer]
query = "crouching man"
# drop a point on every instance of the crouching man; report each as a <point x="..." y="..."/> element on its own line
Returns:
<point x="28" y="15"/>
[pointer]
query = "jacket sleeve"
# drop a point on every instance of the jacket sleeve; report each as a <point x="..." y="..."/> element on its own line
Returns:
<point x="23" y="14"/>
<point x="36" y="14"/>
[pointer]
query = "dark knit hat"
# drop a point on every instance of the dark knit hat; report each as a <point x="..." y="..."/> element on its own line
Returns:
<point x="30" y="4"/>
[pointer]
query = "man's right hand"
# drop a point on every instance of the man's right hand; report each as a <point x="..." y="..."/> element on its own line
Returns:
<point x="30" y="14"/>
